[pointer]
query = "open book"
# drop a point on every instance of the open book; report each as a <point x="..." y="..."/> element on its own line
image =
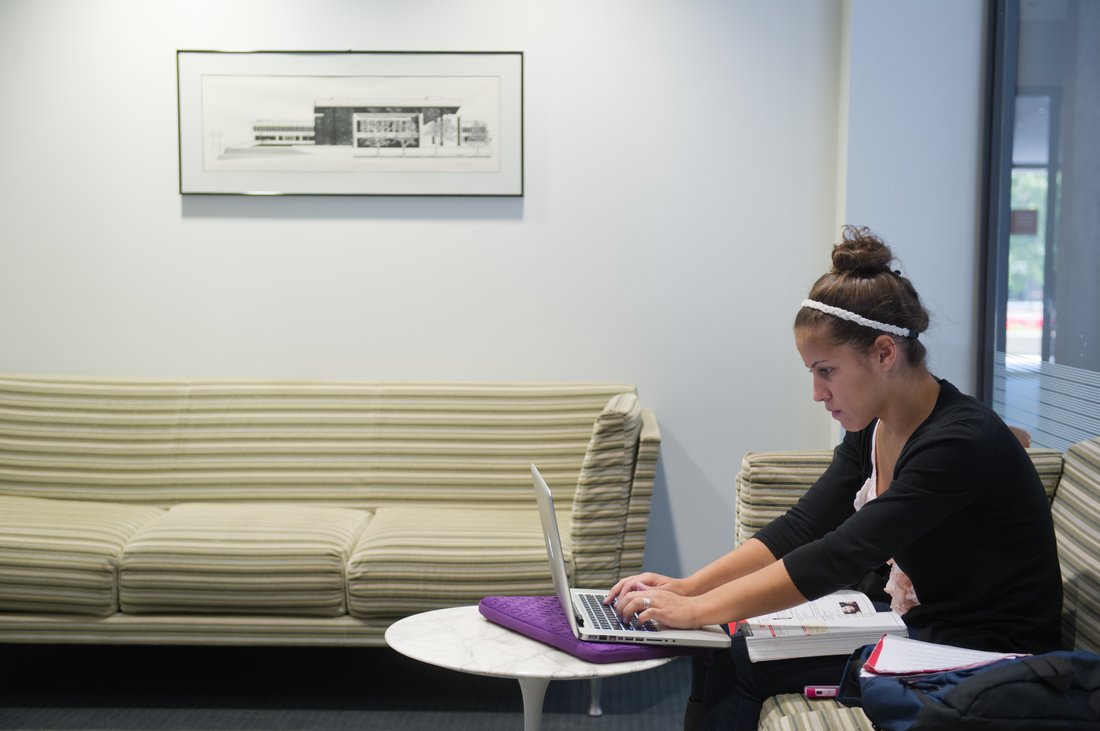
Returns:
<point x="833" y="625"/>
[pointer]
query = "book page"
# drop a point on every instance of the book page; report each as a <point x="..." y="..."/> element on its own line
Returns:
<point x="869" y="626"/>
<point x="845" y="605"/>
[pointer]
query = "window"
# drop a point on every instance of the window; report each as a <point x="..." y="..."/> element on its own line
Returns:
<point x="1041" y="349"/>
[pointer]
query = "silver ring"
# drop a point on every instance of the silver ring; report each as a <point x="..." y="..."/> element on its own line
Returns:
<point x="645" y="603"/>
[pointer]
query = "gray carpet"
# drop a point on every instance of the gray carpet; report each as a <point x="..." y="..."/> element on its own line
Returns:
<point x="187" y="689"/>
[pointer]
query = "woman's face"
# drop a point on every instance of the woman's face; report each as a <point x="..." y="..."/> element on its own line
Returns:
<point x="843" y="378"/>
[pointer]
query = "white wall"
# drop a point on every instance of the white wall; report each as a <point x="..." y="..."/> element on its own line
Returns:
<point x="914" y="157"/>
<point x="681" y="193"/>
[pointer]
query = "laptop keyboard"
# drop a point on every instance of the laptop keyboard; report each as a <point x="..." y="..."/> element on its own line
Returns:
<point x="604" y="617"/>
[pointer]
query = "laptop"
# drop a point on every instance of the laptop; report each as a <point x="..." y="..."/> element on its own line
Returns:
<point x="589" y="619"/>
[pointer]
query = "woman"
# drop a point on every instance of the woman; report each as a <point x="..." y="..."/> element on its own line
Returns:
<point x="926" y="478"/>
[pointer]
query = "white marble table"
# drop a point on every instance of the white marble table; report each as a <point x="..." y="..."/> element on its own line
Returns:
<point x="461" y="639"/>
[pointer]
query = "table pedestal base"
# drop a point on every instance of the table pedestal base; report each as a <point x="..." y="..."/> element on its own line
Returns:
<point x="461" y="639"/>
<point x="594" y="707"/>
<point x="534" y="697"/>
<point x="534" y="693"/>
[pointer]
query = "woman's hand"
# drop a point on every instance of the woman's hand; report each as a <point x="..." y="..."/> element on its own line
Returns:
<point x="666" y="608"/>
<point x="746" y="582"/>
<point x="648" y="580"/>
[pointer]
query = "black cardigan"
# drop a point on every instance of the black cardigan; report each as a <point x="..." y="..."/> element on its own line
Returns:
<point x="965" y="517"/>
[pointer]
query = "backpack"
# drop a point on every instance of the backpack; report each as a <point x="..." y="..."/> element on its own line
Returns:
<point x="1059" y="691"/>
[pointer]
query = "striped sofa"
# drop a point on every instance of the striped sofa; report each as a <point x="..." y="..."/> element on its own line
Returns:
<point x="301" y="513"/>
<point x="770" y="482"/>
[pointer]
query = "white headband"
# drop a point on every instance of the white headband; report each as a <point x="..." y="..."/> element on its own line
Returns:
<point x="901" y="332"/>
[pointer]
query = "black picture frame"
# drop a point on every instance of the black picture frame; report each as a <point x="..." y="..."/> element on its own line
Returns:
<point x="405" y="123"/>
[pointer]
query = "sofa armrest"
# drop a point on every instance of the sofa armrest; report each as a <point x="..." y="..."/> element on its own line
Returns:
<point x="641" y="496"/>
<point x="598" y="519"/>
<point x="1048" y="463"/>
<point x="1076" y="514"/>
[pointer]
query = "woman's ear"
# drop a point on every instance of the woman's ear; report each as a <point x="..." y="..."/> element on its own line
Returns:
<point x="884" y="351"/>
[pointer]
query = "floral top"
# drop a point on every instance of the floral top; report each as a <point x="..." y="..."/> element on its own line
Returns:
<point x="903" y="596"/>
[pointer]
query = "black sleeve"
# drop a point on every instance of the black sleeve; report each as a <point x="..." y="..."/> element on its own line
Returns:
<point x="937" y="475"/>
<point x="827" y="503"/>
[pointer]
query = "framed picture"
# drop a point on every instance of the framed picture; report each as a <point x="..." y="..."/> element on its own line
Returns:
<point x="350" y="123"/>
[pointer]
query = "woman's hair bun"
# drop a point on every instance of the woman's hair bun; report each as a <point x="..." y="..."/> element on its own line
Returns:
<point x="862" y="284"/>
<point x="861" y="253"/>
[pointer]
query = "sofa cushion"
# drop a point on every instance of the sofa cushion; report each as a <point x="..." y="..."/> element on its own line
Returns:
<point x="791" y="704"/>
<point x="771" y="482"/>
<point x="359" y="444"/>
<point x="413" y="559"/>
<point x="61" y="556"/>
<point x="285" y="559"/>
<point x="793" y="712"/>
<point x="1076" y="512"/>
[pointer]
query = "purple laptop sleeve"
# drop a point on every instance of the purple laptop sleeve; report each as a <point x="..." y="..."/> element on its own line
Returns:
<point x="541" y="618"/>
